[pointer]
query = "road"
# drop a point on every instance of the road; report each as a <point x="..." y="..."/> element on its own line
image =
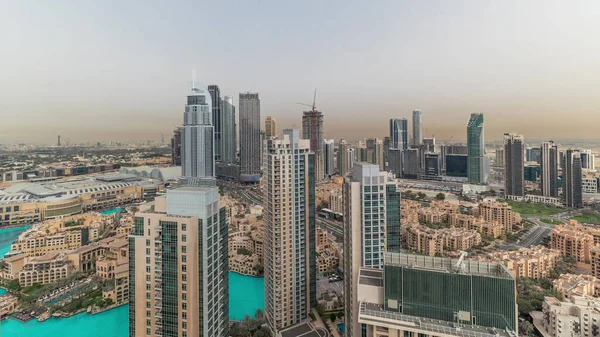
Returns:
<point x="536" y="234"/>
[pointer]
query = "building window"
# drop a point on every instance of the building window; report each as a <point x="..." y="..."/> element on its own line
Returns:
<point x="184" y="238"/>
<point x="183" y="227"/>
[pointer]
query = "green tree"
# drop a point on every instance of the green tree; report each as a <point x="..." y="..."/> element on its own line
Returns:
<point x="421" y="195"/>
<point x="526" y="328"/>
<point x="440" y="196"/>
<point x="134" y="209"/>
<point x="332" y="317"/>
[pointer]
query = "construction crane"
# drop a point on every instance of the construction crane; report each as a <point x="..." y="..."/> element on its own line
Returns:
<point x="313" y="105"/>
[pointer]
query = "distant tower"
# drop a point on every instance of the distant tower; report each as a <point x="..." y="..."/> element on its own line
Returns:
<point x="476" y="150"/>
<point x="250" y="146"/>
<point x="342" y="158"/>
<point x="215" y="96"/>
<point x="176" y="147"/>
<point x="417" y="135"/>
<point x="58" y="143"/>
<point x="228" y="131"/>
<point x="399" y="133"/>
<point x="513" y="164"/>
<point x="312" y="129"/>
<point x="328" y="152"/>
<point x="270" y="127"/>
<point x="572" y="177"/>
<point x="549" y="169"/>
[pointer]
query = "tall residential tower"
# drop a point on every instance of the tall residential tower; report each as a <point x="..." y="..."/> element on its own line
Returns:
<point x="270" y="127"/>
<point x="572" y="179"/>
<point x="289" y="246"/>
<point x="228" y="131"/>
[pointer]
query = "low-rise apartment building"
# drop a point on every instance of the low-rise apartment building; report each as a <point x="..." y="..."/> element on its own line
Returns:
<point x="569" y="285"/>
<point x="430" y="241"/>
<point x="534" y="262"/>
<point x="577" y="316"/>
<point x="494" y="211"/>
<point x="45" y="269"/>
<point x="573" y="240"/>
<point x="491" y="229"/>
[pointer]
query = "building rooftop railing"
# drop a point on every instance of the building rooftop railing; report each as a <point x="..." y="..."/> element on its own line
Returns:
<point x="372" y="311"/>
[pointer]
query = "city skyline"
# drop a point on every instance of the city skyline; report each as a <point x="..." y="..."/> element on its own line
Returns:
<point x="464" y="71"/>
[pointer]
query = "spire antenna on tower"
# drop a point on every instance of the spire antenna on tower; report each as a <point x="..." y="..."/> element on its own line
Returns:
<point x="194" y="78"/>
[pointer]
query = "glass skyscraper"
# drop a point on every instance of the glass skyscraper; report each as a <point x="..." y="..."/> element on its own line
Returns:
<point x="250" y="145"/>
<point x="417" y="134"/>
<point x="228" y="131"/>
<point x="476" y="150"/>
<point x="514" y="164"/>
<point x="399" y="133"/>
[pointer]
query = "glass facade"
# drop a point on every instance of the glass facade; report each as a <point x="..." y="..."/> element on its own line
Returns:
<point x="442" y="295"/>
<point x="170" y="280"/>
<point x="475" y="149"/>
<point x="392" y="218"/>
<point x="132" y="281"/>
<point x="456" y="165"/>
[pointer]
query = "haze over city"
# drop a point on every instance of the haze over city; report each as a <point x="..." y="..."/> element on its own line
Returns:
<point x="105" y="72"/>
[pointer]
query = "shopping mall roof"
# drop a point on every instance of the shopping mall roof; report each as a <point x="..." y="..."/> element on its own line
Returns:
<point x="162" y="173"/>
<point x="69" y="188"/>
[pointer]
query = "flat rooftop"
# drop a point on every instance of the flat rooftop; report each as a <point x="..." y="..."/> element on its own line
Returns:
<point x="371" y="277"/>
<point x="372" y="313"/>
<point x="447" y="265"/>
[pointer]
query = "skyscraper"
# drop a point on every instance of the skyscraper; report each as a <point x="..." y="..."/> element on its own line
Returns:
<point x="476" y="150"/>
<point x="328" y="160"/>
<point x="215" y="96"/>
<point x="513" y="164"/>
<point x="587" y="160"/>
<point x="416" y="121"/>
<point x="433" y="168"/>
<point x="342" y="158"/>
<point x="375" y="152"/>
<point x="549" y="169"/>
<point x="290" y="261"/>
<point x="312" y="129"/>
<point x="176" y="147"/>
<point x="429" y="144"/>
<point x="178" y="267"/>
<point x="250" y="146"/>
<point x="270" y="127"/>
<point x="399" y="133"/>
<point x="572" y="179"/>
<point x="366" y="232"/>
<point x="395" y="159"/>
<point x="532" y="154"/>
<point x="228" y="131"/>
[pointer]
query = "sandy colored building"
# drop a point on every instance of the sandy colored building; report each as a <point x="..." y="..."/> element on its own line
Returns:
<point x="533" y="262"/>
<point x="577" y="316"/>
<point x="494" y="211"/>
<point x="336" y="202"/>
<point x="45" y="269"/>
<point x="118" y="291"/>
<point x="430" y="241"/>
<point x="572" y="240"/>
<point x="569" y="285"/>
<point x="244" y="264"/>
<point x="491" y="229"/>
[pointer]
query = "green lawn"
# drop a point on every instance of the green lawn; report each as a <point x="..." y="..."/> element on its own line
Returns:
<point x="529" y="208"/>
<point x="551" y="221"/>
<point x="589" y="217"/>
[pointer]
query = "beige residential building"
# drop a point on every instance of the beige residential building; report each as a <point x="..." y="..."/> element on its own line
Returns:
<point x="494" y="211"/>
<point x="118" y="291"/>
<point x="336" y="202"/>
<point x="569" y="285"/>
<point x="289" y="198"/>
<point x="432" y="215"/>
<point x="430" y="241"/>
<point x="13" y="266"/>
<point x="534" y="262"/>
<point x="45" y="269"/>
<point x="572" y="241"/>
<point x="491" y="229"/>
<point x="244" y="264"/>
<point x="578" y="316"/>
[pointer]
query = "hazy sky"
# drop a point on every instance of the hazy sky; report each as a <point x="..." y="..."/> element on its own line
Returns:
<point x="120" y="70"/>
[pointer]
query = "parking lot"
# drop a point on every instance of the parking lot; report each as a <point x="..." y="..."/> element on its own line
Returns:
<point x="324" y="286"/>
